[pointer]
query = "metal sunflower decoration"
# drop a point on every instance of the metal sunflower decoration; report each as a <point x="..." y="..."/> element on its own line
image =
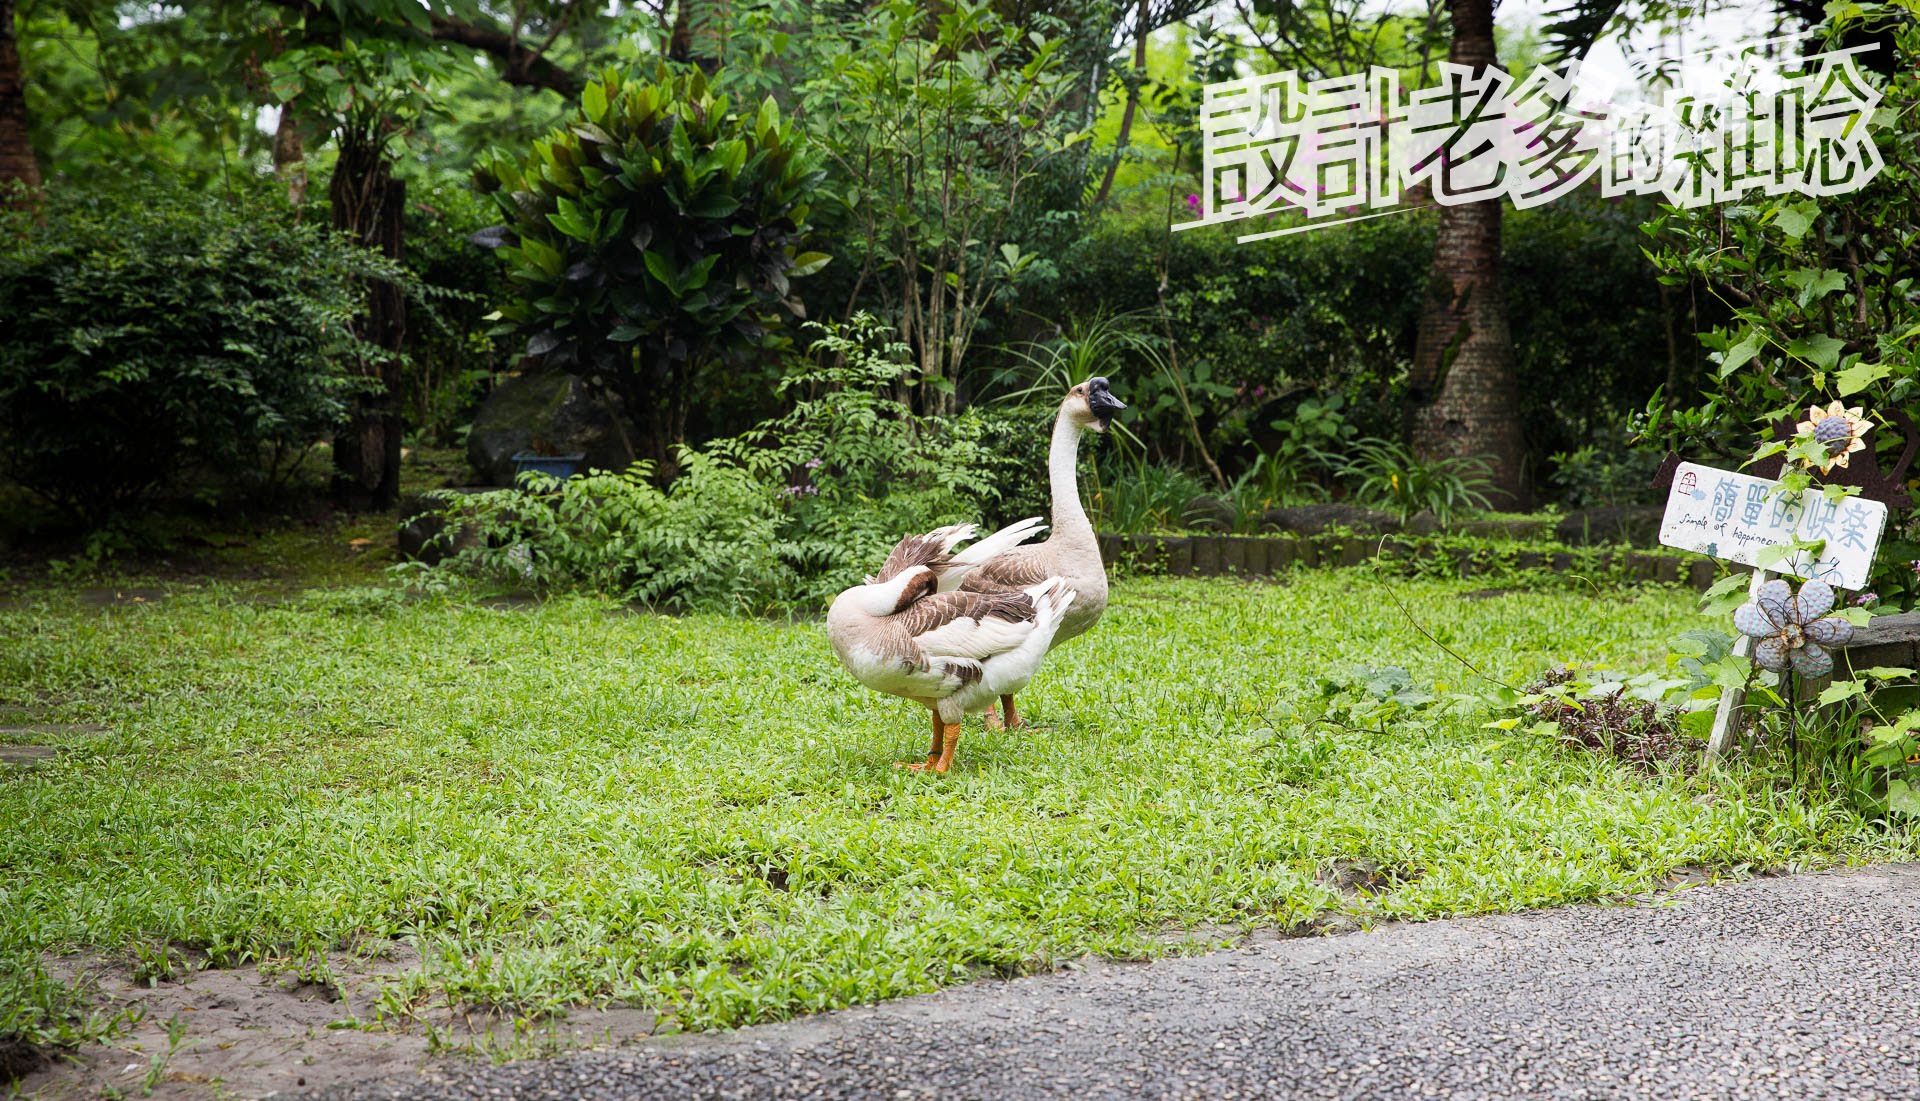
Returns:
<point x="1792" y="630"/>
<point x="1841" y="430"/>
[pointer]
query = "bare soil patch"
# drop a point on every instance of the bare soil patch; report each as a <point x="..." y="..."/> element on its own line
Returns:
<point x="260" y="1032"/>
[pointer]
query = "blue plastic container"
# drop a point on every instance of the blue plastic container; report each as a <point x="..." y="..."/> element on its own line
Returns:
<point x="558" y="466"/>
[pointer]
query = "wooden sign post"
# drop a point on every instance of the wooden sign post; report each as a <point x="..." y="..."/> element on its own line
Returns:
<point x="1735" y="516"/>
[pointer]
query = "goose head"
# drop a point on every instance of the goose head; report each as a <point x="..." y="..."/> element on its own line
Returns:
<point x="1091" y="405"/>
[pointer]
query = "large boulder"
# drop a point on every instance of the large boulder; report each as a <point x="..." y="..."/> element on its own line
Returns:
<point x="1636" y="525"/>
<point x="554" y="413"/>
<point x="1308" y="519"/>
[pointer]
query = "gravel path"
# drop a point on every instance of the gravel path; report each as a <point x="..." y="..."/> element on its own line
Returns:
<point x="1800" y="987"/>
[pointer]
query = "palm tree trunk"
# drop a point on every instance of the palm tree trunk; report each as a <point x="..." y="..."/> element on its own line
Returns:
<point x="1463" y="398"/>
<point x="17" y="162"/>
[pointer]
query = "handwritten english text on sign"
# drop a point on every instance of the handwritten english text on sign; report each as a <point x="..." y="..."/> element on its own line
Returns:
<point x="1736" y="516"/>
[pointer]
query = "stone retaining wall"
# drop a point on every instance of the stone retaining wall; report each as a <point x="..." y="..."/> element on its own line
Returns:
<point x="1267" y="555"/>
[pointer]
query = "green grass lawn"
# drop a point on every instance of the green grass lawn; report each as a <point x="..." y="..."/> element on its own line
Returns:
<point x="570" y="802"/>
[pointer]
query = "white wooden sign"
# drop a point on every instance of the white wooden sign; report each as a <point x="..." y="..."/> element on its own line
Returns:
<point x="1735" y="516"/>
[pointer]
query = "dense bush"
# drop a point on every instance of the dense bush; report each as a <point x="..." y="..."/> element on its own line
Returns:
<point x="148" y="329"/>
<point x="1269" y="327"/>
<point x="782" y="517"/>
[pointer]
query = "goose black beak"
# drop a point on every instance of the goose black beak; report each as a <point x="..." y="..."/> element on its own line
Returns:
<point x="1102" y="402"/>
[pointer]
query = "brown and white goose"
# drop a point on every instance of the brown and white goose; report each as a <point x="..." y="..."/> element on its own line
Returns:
<point x="951" y="652"/>
<point x="1070" y="552"/>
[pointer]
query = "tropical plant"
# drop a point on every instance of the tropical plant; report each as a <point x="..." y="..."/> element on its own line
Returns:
<point x="653" y="239"/>
<point x="1390" y="476"/>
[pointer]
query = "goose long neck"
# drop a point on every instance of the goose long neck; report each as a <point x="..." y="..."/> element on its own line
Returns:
<point x="1069" y="516"/>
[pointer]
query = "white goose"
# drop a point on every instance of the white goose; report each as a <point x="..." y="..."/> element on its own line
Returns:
<point x="907" y="633"/>
<point x="1071" y="552"/>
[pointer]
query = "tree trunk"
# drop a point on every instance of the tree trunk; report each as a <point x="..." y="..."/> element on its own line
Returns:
<point x="1132" y="108"/>
<point x="699" y="33"/>
<point x="17" y="162"/>
<point x="290" y="156"/>
<point x="680" y="40"/>
<point x="368" y="203"/>
<point x="1462" y="397"/>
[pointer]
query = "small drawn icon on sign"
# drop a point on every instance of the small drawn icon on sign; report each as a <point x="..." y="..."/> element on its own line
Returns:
<point x="1690" y="484"/>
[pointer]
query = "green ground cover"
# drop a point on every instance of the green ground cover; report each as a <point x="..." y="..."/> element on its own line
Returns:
<point x="571" y="802"/>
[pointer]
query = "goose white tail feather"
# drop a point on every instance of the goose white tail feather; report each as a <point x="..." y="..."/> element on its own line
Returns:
<point x="990" y="547"/>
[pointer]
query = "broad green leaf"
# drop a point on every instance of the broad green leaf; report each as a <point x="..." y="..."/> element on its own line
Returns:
<point x="1884" y="672"/>
<point x="713" y="203"/>
<point x="1902" y="798"/>
<point x="1729" y="584"/>
<point x="1815" y="283"/>
<point x="1822" y="351"/>
<point x="807" y="263"/>
<point x="594" y="102"/>
<point x="1842" y="690"/>
<point x="696" y="276"/>
<point x="1858" y="377"/>
<point x="661" y="268"/>
<point x="1739" y="354"/>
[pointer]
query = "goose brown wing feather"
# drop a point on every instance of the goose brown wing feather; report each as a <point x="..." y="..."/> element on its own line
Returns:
<point x="1006" y="573"/>
<point x="931" y="613"/>
<point x="914" y="550"/>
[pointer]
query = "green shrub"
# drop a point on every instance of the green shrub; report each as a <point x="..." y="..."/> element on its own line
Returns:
<point x="1143" y="497"/>
<point x="1607" y="474"/>
<point x="1270" y="327"/>
<point x="451" y="355"/>
<point x="151" y="329"/>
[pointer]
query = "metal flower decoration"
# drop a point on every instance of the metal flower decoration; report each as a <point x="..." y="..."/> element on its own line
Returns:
<point x="1840" y="429"/>
<point x="1793" y="630"/>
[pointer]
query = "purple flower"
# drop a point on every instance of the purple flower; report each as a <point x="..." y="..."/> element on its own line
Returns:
<point x="813" y="464"/>
<point x="1259" y="391"/>
<point x="1193" y="202"/>
<point x="1865" y="599"/>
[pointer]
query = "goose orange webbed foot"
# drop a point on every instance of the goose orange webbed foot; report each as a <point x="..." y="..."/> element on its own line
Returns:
<point x="946" y="736"/>
<point x="1011" y="722"/>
